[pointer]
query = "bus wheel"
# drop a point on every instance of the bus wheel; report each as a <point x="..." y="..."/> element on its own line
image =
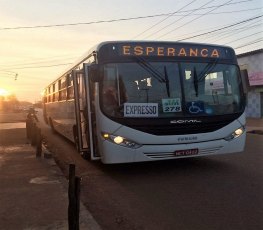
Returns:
<point x="85" y="155"/>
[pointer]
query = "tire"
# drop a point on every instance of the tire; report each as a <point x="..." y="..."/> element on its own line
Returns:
<point x="85" y="155"/>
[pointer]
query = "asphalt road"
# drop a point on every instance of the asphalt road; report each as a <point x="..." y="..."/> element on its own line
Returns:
<point x="219" y="192"/>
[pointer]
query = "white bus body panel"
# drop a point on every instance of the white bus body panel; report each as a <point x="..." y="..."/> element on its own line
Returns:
<point x="155" y="147"/>
<point x="119" y="154"/>
<point x="63" y="117"/>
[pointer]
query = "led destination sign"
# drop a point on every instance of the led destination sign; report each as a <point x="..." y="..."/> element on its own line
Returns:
<point x="173" y="50"/>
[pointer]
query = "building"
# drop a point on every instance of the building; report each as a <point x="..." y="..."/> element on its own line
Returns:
<point x="251" y="65"/>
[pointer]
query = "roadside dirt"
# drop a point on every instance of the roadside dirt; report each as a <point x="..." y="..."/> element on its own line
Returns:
<point x="10" y="117"/>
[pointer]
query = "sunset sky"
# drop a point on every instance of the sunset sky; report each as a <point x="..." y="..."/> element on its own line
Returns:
<point x="38" y="43"/>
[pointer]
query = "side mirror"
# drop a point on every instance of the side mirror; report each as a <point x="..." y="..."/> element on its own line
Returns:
<point x="94" y="72"/>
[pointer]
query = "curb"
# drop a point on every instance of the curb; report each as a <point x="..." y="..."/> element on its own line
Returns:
<point x="86" y="220"/>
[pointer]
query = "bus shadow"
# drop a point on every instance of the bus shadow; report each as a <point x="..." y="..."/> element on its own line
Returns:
<point x="204" y="164"/>
<point x="186" y="165"/>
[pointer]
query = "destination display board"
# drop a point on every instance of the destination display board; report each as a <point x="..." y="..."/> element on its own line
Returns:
<point x="170" y="50"/>
<point x="132" y="49"/>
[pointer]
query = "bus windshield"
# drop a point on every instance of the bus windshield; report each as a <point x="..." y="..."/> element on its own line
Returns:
<point x="170" y="89"/>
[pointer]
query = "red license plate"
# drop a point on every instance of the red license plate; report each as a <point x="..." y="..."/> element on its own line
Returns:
<point x="186" y="152"/>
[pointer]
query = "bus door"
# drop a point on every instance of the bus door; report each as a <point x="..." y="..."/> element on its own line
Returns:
<point x="84" y="140"/>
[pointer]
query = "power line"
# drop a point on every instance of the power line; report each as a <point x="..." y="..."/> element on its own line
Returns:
<point x="24" y="65"/>
<point x="223" y="12"/>
<point x="82" y="23"/>
<point x="244" y="37"/>
<point x="219" y="35"/>
<point x="222" y="28"/>
<point x="207" y="30"/>
<point x="179" y="19"/>
<point x="227" y="4"/>
<point x="194" y="19"/>
<point x="8" y="72"/>
<point x="101" y="21"/>
<point x="45" y="66"/>
<point x="164" y="19"/>
<point x="50" y="60"/>
<point x="249" y="43"/>
<point x="230" y="33"/>
<point x="185" y="11"/>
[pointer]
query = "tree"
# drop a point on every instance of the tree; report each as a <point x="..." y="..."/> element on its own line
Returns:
<point x="2" y="98"/>
<point x="13" y="103"/>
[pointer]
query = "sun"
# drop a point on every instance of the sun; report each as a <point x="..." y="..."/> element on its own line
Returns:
<point x="4" y="92"/>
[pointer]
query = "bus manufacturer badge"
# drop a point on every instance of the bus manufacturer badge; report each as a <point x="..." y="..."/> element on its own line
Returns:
<point x="185" y="121"/>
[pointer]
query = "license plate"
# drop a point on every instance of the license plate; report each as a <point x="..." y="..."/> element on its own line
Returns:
<point x="186" y="152"/>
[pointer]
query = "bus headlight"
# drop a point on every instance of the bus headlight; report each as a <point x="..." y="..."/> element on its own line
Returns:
<point x="120" y="140"/>
<point x="235" y="134"/>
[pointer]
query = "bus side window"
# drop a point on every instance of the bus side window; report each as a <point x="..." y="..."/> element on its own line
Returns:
<point x="70" y="88"/>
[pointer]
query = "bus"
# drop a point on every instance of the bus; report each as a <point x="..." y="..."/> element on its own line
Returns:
<point x="134" y="101"/>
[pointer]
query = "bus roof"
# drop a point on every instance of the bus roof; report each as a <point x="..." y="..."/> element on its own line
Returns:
<point x="155" y="48"/>
<point x="154" y="44"/>
<point x="138" y="42"/>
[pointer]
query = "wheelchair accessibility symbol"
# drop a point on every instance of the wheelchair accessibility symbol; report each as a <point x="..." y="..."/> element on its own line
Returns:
<point x="195" y="107"/>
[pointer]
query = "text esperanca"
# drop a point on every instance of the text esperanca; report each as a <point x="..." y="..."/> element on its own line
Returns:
<point x="137" y="50"/>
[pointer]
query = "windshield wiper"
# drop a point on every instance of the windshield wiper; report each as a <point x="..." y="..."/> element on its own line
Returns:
<point x="155" y="73"/>
<point x="150" y="69"/>
<point x="195" y="82"/>
<point x="166" y="81"/>
<point x="208" y="68"/>
<point x="200" y="77"/>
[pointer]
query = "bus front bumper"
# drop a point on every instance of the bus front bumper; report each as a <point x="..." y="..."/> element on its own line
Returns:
<point x="113" y="153"/>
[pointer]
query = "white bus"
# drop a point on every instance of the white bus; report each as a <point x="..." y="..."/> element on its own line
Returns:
<point x="133" y="101"/>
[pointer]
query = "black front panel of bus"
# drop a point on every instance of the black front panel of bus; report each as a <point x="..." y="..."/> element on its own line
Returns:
<point x="179" y="126"/>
